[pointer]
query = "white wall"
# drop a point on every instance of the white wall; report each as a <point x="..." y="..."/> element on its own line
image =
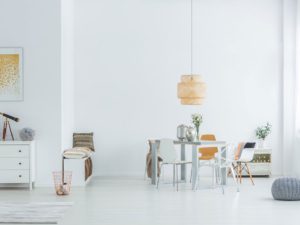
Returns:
<point x="289" y="83"/>
<point x="67" y="72"/>
<point x="129" y="56"/>
<point x="35" y="26"/>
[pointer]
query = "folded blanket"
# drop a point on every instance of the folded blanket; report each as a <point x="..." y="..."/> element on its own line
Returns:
<point x="77" y="153"/>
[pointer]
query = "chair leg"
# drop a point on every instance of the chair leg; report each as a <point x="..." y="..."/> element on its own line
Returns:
<point x="173" y="175"/>
<point x="198" y="179"/>
<point x="236" y="171"/>
<point x="221" y="181"/>
<point x="248" y="171"/>
<point x="229" y="173"/>
<point x="218" y="177"/>
<point x="159" y="177"/>
<point x="240" y="172"/>
<point x="145" y="173"/>
<point x="162" y="171"/>
<point x="214" y="176"/>
<point x="191" y="175"/>
<point x="234" y="178"/>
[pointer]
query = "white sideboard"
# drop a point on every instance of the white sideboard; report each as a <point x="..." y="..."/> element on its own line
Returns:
<point x="261" y="163"/>
<point x="17" y="162"/>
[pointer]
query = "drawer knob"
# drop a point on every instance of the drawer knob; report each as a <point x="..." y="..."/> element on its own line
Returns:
<point x="20" y="175"/>
<point x="20" y="163"/>
<point x="20" y="150"/>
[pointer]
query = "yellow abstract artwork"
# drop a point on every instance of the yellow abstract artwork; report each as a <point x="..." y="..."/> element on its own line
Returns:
<point x="10" y="75"/>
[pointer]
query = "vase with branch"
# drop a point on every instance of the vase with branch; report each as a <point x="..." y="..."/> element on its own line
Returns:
<point x="197" y="121"/>
<point x="262" y="133"/>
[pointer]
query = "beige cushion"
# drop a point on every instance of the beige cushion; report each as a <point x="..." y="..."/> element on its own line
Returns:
<point x="77" y="153"/>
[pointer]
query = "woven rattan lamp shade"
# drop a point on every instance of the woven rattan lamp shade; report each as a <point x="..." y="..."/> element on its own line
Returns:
<point x="191" y="90"/>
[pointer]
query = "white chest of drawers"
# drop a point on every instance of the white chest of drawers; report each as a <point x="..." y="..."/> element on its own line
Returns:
<point x="17" y="162"/>
<point x="261" y="163"/>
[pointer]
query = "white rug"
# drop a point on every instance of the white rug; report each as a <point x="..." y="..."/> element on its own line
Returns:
<point x="33" y="213"/>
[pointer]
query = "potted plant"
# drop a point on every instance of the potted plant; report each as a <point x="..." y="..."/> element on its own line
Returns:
<point x="197" y="121"/>
<point x="262" y="132"/>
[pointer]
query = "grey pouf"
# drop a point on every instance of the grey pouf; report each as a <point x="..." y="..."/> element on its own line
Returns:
<point x="286" y="189"/>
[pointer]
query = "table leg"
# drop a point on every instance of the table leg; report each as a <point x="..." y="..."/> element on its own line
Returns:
<point x="154" y="162"/>
<point x="183" y="166"/>
<point x="194" y="167"/>
<point x="223" y="170"/>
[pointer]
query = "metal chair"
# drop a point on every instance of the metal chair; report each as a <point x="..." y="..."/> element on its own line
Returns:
<point x="167" y="153"/>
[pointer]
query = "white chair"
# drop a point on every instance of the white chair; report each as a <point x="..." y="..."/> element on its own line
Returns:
<point x="242" y="163"/>
<point x="227" y="163"/>
<point x="167" y="152"/>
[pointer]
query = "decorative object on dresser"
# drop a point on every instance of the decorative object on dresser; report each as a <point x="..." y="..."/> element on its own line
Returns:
<point x="27" y="134"/>
<point x="17" y="163"/>
<point x="6" y="125"/>
<point x="11" y="74"/>
<point x="262" y="133"/>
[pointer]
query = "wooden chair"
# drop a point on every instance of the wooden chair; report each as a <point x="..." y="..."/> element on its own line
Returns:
<point x="242" y="163"/>
<point x="207" y="157"/>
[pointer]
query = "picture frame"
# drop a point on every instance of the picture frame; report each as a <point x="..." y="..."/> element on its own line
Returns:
<point x="11" y="74"/>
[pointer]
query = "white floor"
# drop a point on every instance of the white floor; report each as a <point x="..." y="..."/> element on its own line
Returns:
<point x="134" y="201"/>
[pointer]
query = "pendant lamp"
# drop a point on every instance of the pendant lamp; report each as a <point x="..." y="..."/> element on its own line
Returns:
<point x="191" y="89"/>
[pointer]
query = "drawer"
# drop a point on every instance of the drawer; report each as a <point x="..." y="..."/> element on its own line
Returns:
<point x="14" y="151"/>
<point x="14" y="176"/>
<point x="260" y="169"/>
<point x="14" y="164"/>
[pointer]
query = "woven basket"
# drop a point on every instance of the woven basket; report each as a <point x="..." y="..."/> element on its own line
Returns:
<point x="62" y="187"/>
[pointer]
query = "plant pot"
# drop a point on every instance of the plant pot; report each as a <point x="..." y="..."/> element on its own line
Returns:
<point x="260" y="143"/>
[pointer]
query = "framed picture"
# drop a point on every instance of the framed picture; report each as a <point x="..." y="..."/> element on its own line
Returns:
<point x="11" y="74"/>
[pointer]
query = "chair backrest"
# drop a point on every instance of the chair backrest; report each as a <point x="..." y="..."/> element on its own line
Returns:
<point x="83" y="140"/>
<point x="247" y="155"/>
<point x="239" y="150"/>
<point x="208" y="152"/>
<point x="166" y="150"/>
